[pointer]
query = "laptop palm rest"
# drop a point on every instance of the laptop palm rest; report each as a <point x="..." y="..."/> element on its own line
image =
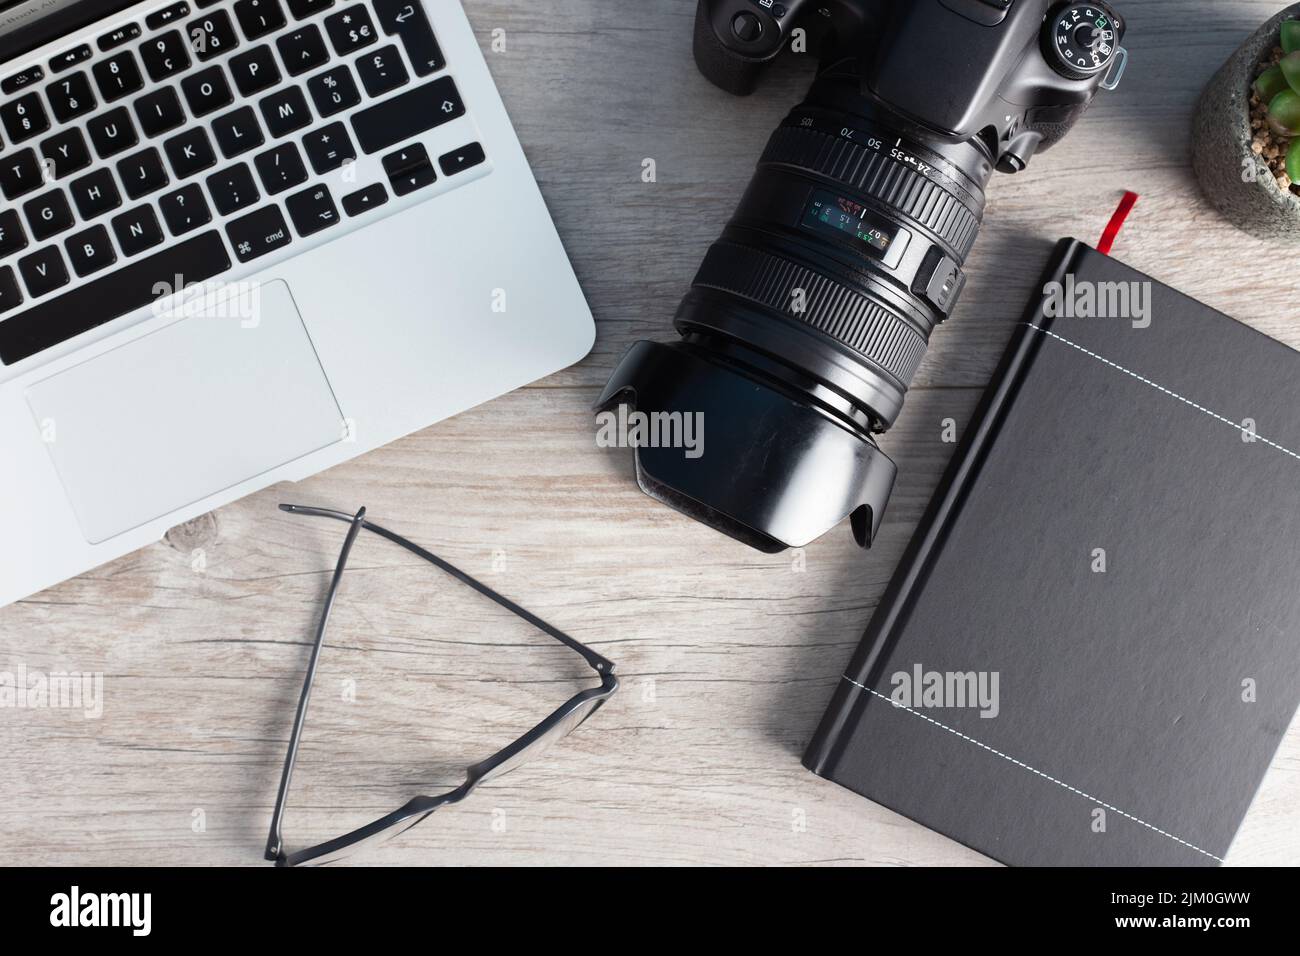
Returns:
<point x="215" y="399"/>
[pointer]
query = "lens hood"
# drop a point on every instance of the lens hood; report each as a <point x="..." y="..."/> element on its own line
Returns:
<point x="771" y="471"/>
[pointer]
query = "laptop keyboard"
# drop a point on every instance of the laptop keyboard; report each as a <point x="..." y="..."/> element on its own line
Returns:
<point x="215" y="133"/>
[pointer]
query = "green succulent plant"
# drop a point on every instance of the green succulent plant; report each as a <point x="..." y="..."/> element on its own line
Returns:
<point x="1279" y="87"/>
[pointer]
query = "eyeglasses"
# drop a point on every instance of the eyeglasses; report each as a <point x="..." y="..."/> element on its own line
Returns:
<point x="562" y="722"/>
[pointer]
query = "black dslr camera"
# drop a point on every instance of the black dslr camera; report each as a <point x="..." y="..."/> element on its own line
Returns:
<point x="809" y="317"/>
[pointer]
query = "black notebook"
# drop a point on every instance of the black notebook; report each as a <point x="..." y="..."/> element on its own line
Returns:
<point x="1091" y="649"/>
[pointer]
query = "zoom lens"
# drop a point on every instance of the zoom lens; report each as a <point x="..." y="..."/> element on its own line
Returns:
<point x="808" y="319"/>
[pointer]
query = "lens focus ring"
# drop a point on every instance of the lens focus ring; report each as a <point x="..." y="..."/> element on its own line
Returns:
<point x="875" y="175"/>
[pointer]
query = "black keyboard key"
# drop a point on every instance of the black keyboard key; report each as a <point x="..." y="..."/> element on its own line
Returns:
<point x="21" y="80"/>
<point x="67" y="151"/>
<point x="459" y="160"/>
<point x="302" y="49"/>
<point x="233" y="189"/>
<point x="281" y="168"/>
<point x="350" y="29"/>
<point x="237" y="132"/>
<point x="333" y="91"/>
<point x="112" y="132"/>
<point x="212" y="35"/>
<point x="258" y="233"/>
<point x="329" y="147"/>
<point x="255" y="70"/>
<point x="382" y="70"/>
<point x="165" y="55"/>
<point x="407" y="20"/>
<point x="407" y="115"/>
<point x="137" y="231"/>
<point x="190" y="152"/>
<point x="409" y="169"/>
<point x="111" y="296"/>
<point x="71" y="97"/>
<point x="364" y="200"/>
<point x="312" y="210"/>
<point x="123" y="34"/>
<point x="12" y="237"/>
<point x="142" y="173"/>
<point x="257" y="18"/>
<point x="48" y="214"/>
<point x="20" y="173"/>
<point x="160" y="18"/>
<point x="117" y="76"/>
<point x="159" y="111"/>
<point x="207" y="91"/>
<point x="43" y="271"/>
<point x="95" y="194"/>
<point x="90" y="251"/>
<point x="285" y="111"/>
<point x="185" y="210"/>
<point x="302" y="9"/>
<point x="70" y="58"/>
<point x="24" y="117"/>
<point x="10" y="295"/>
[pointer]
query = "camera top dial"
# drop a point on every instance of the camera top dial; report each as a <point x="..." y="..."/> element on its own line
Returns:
<point x="1081" y="40"/>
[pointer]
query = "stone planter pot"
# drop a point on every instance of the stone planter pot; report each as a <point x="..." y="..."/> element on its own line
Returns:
<point x="1221" y="138"/>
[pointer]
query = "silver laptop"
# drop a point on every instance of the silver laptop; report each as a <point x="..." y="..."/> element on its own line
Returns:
<point x="242" y="241"/>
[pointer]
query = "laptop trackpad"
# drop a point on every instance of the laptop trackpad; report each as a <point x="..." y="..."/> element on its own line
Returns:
<point x="208" y="402"/>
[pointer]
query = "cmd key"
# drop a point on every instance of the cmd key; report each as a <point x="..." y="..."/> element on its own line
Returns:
<point x="407" y="115"/>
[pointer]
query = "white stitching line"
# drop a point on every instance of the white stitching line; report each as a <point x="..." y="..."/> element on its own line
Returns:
<point x="1034" y="770"/>
<point x="1160" y="388"/>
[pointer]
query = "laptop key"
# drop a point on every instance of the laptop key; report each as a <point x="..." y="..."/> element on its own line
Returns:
<point x="312" y="210"/>
<point x="112" y="132"/>
<point x="10" y="295"/>
<point x="159" y="111"/>
<point x="382" y="70"/>
<point x="364" y="200"/>
<point x="281" y="168"/>
<point x="67" y="151"/>
<point x="111" y="296"/>
<point x="90" y="251"/>
<point x="407" y="20"/>
<point x="212" y="35"/>
<point x="142" y="173"/>
<point x="117" y="76"/>
<point x="95" y="194"/>
<point x="20" y="173"/>
<point x="350" y="29"/>
<point x="43" y="271"/>
<point x="123" y="34"/>
<point x="185" y="209"/>
<point x="165" y="55"/>
<point x="12" y="237"/>
<point x="160" y="18"/>
<point x="302" y="49"/>
<point x="328" y="148"/>
<point x="71" y="97"/>
<point x="407" y="115"/>
<point x="70" y="58"/>
<point x="258" y="233"/>
<point x="48" y="214"/>
<point x="334" y="90"/>
<point x="190" y="152"/>
<point x="238" y="132"/>
<point x="255" y="70"/>
<point x="257" y="18"/>
<point x="459" y="160"/>
<point x="285" y="111"/>
<point x="233" y="189"/>
<point x="409" y="169"/>
<point x="24" y="117"/>
<point x="137" y="230"/>
<point x="302" y="9"/>
<point x="207" y="91"/>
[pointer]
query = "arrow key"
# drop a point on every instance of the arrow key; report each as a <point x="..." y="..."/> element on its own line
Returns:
<point x="459" y="160"/>
<point x="409" y="169"/>
<point x="364" y="200"/>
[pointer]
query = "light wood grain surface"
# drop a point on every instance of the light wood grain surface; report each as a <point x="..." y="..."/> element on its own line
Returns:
<point x="728" y="657"/>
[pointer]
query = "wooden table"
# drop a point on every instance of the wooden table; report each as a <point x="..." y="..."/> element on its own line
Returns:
<point x="728" y="656"/>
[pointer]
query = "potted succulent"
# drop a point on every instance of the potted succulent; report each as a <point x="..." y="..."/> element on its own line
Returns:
<point x="1246" y="134"/>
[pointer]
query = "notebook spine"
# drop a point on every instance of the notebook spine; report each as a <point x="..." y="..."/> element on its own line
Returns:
<point x="864" y="668"/>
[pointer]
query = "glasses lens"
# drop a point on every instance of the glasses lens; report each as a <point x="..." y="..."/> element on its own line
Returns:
<point x="553" y="735"/>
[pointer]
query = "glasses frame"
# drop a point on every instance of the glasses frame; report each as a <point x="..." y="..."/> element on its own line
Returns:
<point x="414" y="811"/>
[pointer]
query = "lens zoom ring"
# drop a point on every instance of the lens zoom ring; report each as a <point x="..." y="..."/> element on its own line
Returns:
<point x="885" y="339"/>
<point x="876" y="175"/>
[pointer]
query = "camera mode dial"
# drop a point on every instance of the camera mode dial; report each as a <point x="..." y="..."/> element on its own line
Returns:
<point x="1081" y="40"/>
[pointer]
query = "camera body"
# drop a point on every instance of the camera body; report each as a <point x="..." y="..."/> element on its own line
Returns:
<point x="808" y="318"/>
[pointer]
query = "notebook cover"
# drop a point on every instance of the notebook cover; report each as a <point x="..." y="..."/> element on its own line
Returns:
<point x="1117" y="539"/>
